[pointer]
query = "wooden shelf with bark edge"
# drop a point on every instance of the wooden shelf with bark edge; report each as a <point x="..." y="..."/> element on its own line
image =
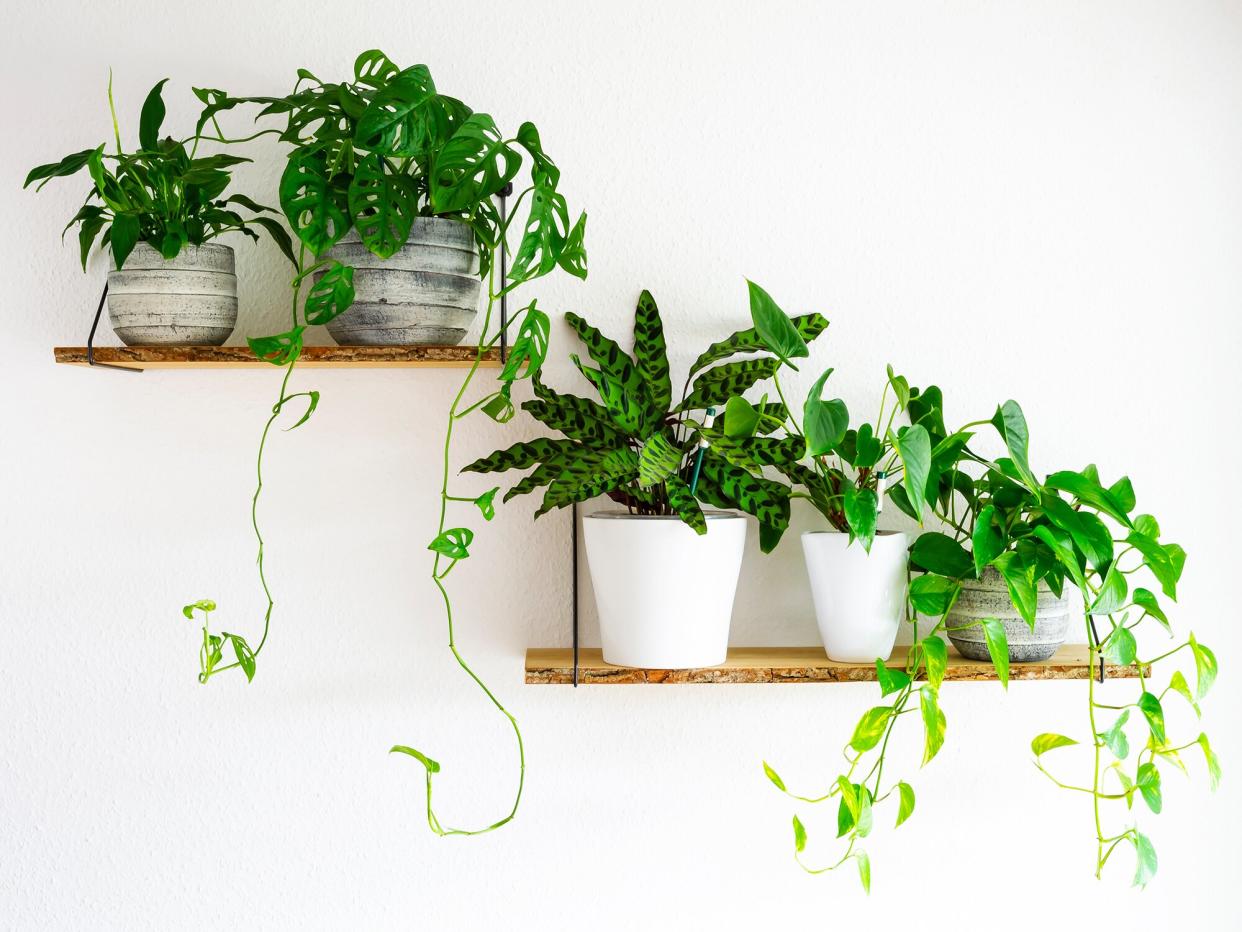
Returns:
<point x="555" y="666"/>
<point x="414" y="356"/>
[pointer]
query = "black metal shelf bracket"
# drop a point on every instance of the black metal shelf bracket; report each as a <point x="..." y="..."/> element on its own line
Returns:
<point x="504" y="274"/>
<point x="573" y="534"/>
<point x="90" y="340"/>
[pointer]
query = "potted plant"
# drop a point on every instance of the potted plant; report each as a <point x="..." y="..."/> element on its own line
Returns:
<point x="394" y="180"/>
<point x="158" y="211"/>
<point x="663" y="567"/>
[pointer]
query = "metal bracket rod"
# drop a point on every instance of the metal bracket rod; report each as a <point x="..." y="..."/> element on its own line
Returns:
<point x="1095" y="642"/>
<point x="90" y="340"/>
<point x="573" y="519"/>
<point x="504" y="274"/>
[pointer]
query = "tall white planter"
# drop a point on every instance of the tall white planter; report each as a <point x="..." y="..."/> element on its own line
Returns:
<point x="859" y="596"/>
<point x="426" y="292"/>
<point x="664" y="593"/>
<point x="188" y="299"/>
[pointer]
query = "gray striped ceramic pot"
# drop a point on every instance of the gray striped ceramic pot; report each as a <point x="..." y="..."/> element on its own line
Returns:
<point x="426" y="292"/>
<point x="988" y="597"/>
<point x="188" y="299"/>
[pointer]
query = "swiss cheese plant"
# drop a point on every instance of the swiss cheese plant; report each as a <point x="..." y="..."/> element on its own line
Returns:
<point x="654" y="452"/>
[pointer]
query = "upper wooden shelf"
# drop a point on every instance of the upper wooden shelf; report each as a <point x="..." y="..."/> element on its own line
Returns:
<point x="555" y="666"/>
<point x="423" y="356"/>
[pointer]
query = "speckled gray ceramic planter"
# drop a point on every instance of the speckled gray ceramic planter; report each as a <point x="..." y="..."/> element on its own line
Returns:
<point x="189" y="299"/>
<point x="989" y="598"/>
<point x="427" y="292"/>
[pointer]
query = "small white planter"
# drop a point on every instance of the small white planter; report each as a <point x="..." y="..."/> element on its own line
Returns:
<point x="859" y="597"/>
<point x="664" y="593"/>
<point x="426" y="292"/>
<point x="190" y="299"/>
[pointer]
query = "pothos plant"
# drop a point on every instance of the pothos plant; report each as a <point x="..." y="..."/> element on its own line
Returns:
<point x="650" y="452"/>
<point x="163" y="193"/>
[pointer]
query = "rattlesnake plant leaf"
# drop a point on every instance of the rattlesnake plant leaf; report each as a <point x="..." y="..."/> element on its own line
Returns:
<point x="582" y="479"/>
<point x="474" y="165"/>
<point x="576" y="418"/>
<point x="683" y="502"/>
<point x="621" y="369"/>
<point x="658" y="459"/>
<point x="382" y="205"/>
<point x="398" y="119"/>
<point x="520" y="455"/>
<point x="651" y="351"/>
<point x="808" y="327"/>
<point x="314" y="206"/>
<point x="552" y="467"/>
<point x="753" y="453"/>
<point x="765" y="499"/>
<point x="717" y="385"/>
<point x="624" y="410"/>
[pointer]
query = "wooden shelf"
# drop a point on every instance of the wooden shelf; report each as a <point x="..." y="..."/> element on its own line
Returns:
<point x="555" y="666"/>
<point x="423" y="356"/>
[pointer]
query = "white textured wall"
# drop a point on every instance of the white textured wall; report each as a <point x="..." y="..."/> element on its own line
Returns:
<point x="1033" y="200"/>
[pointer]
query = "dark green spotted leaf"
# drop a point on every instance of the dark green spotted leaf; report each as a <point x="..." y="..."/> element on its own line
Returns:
<point x="620" y="370"/>
<point x="748" y="341"/>
<point x="685" y="504"/>
<point x="651" y="351"/>
<point x="577" y="418"/>
<point x="520" y="455"/>
<point x="762" y="498"/>
<point x="717" y="385"/>
<point x="658" y="458"/>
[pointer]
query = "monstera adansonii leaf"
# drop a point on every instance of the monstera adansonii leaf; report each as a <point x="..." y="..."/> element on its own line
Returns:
<point x="472" y="166"/>
<point x="382" y="205"/>
<point x="399" y="121"/>
<point x="314" y="205"/>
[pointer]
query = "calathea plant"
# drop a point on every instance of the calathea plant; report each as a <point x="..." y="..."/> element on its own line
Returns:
<point x="1072" y="532"/>
<point x="162" y="193"/>
<point x="654" y="454"/>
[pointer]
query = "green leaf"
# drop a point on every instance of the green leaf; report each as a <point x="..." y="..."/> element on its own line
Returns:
<point x="400" y="120"/>
<point x="528" y="138"/>
<point x="530" y="346"/>
<point x="864" y="870"/>
<point x="125" y="233"/>
<point x="313" y="205"/>
<point x="1085" y="486"/>
<point x="331" y="295"/>
<point x="913" y="445"/>
<point x="152" y="118"/>
<point x="824" y="422"/>
<point x="1148" y="784"/>
<point x="651" y="353"/>
<point x="685" y="504"/>
<point x="1011" y="423"/>
<point x="658" y="459"/>
<point x="578" y="482"/>
<point x="861" y="513"/>
<point x="1115" y="738"/>
<point x="941" y="554"/>
<point x="453" y="542"/>
<point x="1147" y="601"/>
<point x="485" y="503"/>
<point x="932" y="594"/>
<point x="1164" y="560"/>
<point x="774" y="777"/>
<point x="1146" y="866"/>
<point x="774" y="327"/>
<point x="998" y="647"/>
<point x="933" y="723"/>
<point x="906" y="807"/>
<point x="1020" y="582"/>
<point x="1177" y="683"/>
<point x="1120" y="647"/>
<point x="202" y="605"/>
<point x="432" y="766"/>
<point x="870" y="728"/>
<point x="312" y="404"/>
<point x="1213" y="764"/>
<point x="522" y="455"/>
<point x="374" y="69"/>
<point x="577" y="418"/>
<point x="382" y="205"/>
<point x="717" y="385"/>
<point x="1205" y="667"/>
<point x="1150" y="706"/>
<point x="1060" y="544"/>
<point x="808" y="327"/>
<point x="936" y="659"/>
<point x="891" y="679"/>
<point x="69" y="165"/>
<point x="766" y="500"/>
<point x="1041" y="744"/>
<point x="245" y="656"/>
<point x="475" y="164"/>
<point x="281" y="349"/>
<point x="799" y="835"/>
<point x="1113" y="591"/>
<point x="546" y="236"/>
<point x="622" y="389"/>
<point x="987" y="542"/>
<point x="1090" y="535"/>
<point x="741" y="418"/>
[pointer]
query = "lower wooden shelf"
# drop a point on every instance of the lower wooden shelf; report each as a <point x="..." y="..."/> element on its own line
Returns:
<point x="555" y="666"/>
<point x="419" y="355"/>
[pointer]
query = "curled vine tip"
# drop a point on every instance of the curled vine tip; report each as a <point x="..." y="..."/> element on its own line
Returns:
<point x="431" y="765"/>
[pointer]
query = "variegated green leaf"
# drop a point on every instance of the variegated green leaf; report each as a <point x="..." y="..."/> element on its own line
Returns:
<point x="658" y="459"/>
<point x="763" y="498"/>
<point x="554" y="466"/>
<point x="651" y="351"/>
<point x="619" y="368"/>
<point x="520" y="455"/>
<point x="684" y="503"/>
<point x="717" y="385"/>
<point x="579" y="481"/>
<point x="809" y="326"/>
<point x="626" y="413"/>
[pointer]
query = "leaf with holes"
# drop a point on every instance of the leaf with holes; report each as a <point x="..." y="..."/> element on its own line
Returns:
<point x="331" y="295"/>
<point x="374" y="69"/>
<point x="530" y="346"/>
<point x="400" y="120"/>
<point x="314" y="206"/>
<point x="245" y="656"/>
<point x="472" y="166"/>
<point x="280" y="349"/>
<point x="202" y="605"/>
<point x="453" y="542"/>
<point x="546" y="234"/>
<point x="382" y="205"/>
<point x="485" y="503"/>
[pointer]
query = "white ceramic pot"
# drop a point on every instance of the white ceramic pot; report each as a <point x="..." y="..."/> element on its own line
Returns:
<point x="426" y="292"/>
<point x="859" y="596"/>
<point x="188" y="299"/>
<point x="664" y="593"/>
